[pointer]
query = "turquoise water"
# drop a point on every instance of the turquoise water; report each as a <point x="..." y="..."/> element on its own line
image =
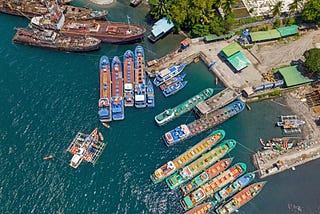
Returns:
<point x="48" y="96"/>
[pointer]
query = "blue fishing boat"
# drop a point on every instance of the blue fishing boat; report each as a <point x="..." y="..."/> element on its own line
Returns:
<point x="176" y="135"/>
<point x="117" y="104"/>
<point x="105" y="114"/>
<point x="173" y="80"/>
<point x="174" y="88"/>
<point x="150" y="95"/>
<point x="128" y="73"/>
<point x="168" y="73"/>
<point x="140" y="79"/>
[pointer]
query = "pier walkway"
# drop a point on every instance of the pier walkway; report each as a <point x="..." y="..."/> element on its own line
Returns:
<point x="215" y="102"/>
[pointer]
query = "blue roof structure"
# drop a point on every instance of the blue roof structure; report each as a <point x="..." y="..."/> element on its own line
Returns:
<point x="162" y="26"/>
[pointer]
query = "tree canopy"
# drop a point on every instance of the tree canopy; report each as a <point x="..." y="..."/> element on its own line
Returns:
<point x="199" y="17"/>
<point x="312" y="61"/>
<point x="311" y="11"/>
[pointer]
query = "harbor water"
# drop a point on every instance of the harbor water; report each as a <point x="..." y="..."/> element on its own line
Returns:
<point x="48" y="96"/>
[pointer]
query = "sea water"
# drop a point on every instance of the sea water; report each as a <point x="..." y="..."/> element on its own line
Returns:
<point x="48" y="96"/>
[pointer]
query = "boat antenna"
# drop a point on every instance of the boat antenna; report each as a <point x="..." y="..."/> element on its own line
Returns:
<point x="128" y="17"/>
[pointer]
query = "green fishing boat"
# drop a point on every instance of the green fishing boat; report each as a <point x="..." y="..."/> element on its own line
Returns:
<point x="200" y="164"/>
<point x="172" y="113"/>
<point x="191" y="154"/>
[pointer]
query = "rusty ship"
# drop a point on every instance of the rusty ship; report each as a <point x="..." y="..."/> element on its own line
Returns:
<point x="37" y="8"/>
<point x="110" y="32"/>
<point x="54" y="40"/>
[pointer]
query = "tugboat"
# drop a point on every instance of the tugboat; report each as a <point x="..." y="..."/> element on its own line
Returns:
<point x="168" y="73"/>
<point x="188" y="156"/>
<point x="105" y="113"/>
<point x="200" y="164"/>
<point x="128" y="70"/>
<point x="241" y="198"/>
<point x="150" y="95"/>
<point x="117" y="90"/>
<point x="140" y="79"/>
<point x="174" y="88"/>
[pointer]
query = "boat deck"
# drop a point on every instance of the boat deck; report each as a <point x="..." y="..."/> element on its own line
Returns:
<point x="117" y="82"/>
<point x="105" y="83"/>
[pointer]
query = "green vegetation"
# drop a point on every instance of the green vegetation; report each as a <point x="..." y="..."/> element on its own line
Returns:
<point x="270" y="94"/>
<point x="312" y="62"/>
<point x="311" y="11"/>
<point x="199" y="17"/>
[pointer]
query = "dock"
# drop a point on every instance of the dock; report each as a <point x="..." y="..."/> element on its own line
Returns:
<point x="268" y="162"/>
<point x="215" y="102"/>
<point x="86" y="147"/>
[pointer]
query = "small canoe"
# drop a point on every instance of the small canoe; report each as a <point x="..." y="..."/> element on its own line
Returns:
<point x="48" y="157"/>
<point x="101" y="136"/>
<point x="106" y="125"/>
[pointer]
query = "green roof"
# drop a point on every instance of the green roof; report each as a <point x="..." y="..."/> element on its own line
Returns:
<point x="292" y="76"/>
<point x="239" y="61"/>
<point x="288" y="31"/>
<point x="231" y="49"/>
<point x="214" y="37"/>
<point x="264" y="35"/>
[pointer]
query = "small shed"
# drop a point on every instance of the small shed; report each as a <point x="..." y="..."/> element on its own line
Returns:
<point x="264" y="35"/>
<point x="292" y="76"/>
<point x="288" y="31"/>
<point x="160" y="28"/>
<point x="231" y="49"/>
<point x="238" y="61"/>
<point x="185" y="43"/>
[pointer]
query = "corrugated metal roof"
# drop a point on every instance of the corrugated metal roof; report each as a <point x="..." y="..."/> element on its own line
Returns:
<point x="239" y="61"/>
<point x="288" y="31"/>
<point x="231" y="49"/>
<point x="264" y="35"/>
<point x="161" y="26"/>
<point x="292" y="76"/>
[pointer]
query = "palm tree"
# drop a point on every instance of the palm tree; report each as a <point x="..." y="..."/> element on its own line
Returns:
<point x="295" y="6"/>
<point x="160" y="8"/>
<point x="226" y="5"/>
<point x="276" y="10"/>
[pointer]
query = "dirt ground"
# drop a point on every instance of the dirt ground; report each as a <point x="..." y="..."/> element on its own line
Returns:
<point x="275" y="54"/>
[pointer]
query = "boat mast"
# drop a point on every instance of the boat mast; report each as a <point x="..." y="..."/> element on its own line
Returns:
<point x="128" y="18"/>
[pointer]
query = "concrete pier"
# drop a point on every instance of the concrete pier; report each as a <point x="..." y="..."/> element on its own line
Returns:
<point x="269" y="162"/>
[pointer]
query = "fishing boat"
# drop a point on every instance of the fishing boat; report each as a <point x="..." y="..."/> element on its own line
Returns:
<point x="101" y="136"/>
<point x="174" y="88"/>
<point x="202" y="208"/>
<point x="241" y="198"/>
<point x="173" y="80"/>
<point x="191" y="154"/>
<point x="203" y="124"/>
<point x="234" y="187"/>
<point x="168" y="73"/>
<point x="170" y="114"/>
<point x="280" y="144"/>
<point x="206" y="190"/>
<point x="207" y="175"/>
<point x="117" y="104"/>
<point x="150" y="95"/>
<point x="140" y="79"/>
<point x="86" y="148"/>
<point x="200" y="164"/>
<point x="128" y="73"/>
<point x="105" y="113"/>
<point x="177" y="135"/>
